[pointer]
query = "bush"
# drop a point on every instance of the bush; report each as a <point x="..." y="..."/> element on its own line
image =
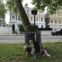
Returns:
<point x="21" y="28"/>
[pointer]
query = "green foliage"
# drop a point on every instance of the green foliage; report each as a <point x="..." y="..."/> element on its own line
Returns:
<point x="52" y="5"/>
<point x="21" y="28"/>
<point x="2" y="11"/>
<point x="37" y="3"/>
<point x="11" y="6"/>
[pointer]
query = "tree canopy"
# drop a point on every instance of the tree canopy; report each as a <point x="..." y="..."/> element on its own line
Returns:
<point x="52" y="5"/>
<point x="11" y="6"/>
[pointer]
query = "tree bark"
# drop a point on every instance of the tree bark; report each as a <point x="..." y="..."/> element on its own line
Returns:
<point x="25" y="21"/>
<point x="27" y="26"/>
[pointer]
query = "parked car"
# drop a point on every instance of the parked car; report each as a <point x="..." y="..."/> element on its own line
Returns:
<point x="58" y="32"/>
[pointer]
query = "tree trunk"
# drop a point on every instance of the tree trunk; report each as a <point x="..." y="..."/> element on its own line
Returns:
<point x="24" y="20"/>
<point x="27" y="26"/>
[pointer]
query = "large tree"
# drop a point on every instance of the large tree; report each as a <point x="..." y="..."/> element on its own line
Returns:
<point x="39" y="4"/>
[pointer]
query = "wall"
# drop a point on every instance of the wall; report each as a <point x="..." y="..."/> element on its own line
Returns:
<point x="5" y="30"/>
<point x="46" y="33"/>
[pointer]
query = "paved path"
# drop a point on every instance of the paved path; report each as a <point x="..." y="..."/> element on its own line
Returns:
<point x="51" y="38"/>
<point x="21" y="38"/>
<point x="12" y="39"/>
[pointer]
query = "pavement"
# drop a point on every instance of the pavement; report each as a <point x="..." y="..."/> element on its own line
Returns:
<point x="20" y="38"/>
<point x="12" y="41"/>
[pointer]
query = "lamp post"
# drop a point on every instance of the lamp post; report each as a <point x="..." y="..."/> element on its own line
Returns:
<point x="36" y="35"/>
<point x="34" y="12"/>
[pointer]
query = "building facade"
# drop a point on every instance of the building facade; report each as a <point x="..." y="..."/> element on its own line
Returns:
<point x="55" y="20"/>
<point x="39" y="18"/>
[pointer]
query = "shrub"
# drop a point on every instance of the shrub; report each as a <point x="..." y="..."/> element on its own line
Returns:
<point x="21" y="28"/>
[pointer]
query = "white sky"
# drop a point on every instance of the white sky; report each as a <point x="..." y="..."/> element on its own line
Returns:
<point x="29" y="3"/>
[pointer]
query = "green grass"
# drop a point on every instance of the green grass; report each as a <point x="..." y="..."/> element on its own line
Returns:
<point x="11" y="52"/>
<point x="16" y="53"/>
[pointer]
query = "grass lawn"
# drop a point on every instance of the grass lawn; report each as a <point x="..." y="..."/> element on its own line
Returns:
<point x="16" y="53"/>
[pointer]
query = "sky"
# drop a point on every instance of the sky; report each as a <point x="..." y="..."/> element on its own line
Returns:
<point x="28" y="1"/>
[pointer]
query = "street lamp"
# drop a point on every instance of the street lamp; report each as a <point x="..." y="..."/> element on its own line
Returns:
<point x="36" y="35"/>
<point x="34" y="12"/>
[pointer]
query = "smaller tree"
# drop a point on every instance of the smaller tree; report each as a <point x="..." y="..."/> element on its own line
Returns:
<point x="2" y="13"/>
<point x="11" y="6"/>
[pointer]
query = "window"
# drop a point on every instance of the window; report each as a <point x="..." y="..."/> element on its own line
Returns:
<point x="51" y="21"/>
<point x="55" y="21"/>
<point x="31" y="18"/>
<point x="27" y="10"/>
<point x="41" y="19"/>
<point x="59" y="21"/>
<point x="13" y="17"/>
<point x="36" y="18"/>
<point x="10" y="16"/>
<point x="41" y="26"/>
<point x="58" y="13"/>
